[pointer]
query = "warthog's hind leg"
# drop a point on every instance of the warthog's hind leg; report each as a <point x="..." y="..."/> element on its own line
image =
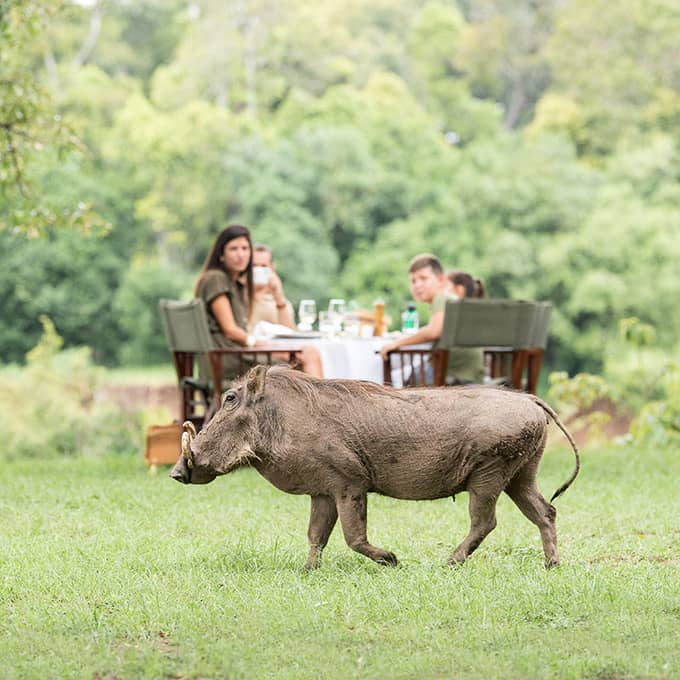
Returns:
<point x="482" y="508"/>
<point x="352" y="509"/>
<point x="322" y="518"/>
<point x="527" y="497"/>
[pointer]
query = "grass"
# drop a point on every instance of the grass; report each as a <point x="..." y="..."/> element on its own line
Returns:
<point x="108" y="572"/>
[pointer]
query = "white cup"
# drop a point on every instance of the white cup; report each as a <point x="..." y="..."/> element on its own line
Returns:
<point x="261" y="275"/>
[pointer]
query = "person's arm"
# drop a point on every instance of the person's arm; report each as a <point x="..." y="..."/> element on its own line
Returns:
<point x="284" y="314"/>
<point x="429" y="333"/>
<point x="221" y="309"/>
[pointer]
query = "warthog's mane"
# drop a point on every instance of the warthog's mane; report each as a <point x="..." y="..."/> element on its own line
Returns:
<point x="311" y="390"/>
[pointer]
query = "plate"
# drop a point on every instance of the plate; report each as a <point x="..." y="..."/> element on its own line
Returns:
<point x="312" y="335"/>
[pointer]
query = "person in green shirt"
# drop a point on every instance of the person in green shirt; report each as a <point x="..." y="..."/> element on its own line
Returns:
<point x="225" y="284"/>
<point x="429" y="284"/>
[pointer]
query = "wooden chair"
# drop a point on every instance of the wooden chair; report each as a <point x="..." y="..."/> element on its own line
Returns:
<point x="502" y="328"/>
<point x="537" y="345"/>
<point x="408" y="364"/>
<point x="188" y="335"/>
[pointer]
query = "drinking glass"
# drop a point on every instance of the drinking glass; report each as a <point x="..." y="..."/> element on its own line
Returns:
<point x="352" y="324"/>
<point x="336" y="310"/>
<point x="326" y="324"/>
<point x="306" y="314"/>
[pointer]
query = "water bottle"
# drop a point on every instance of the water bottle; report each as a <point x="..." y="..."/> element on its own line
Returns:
<point x="409" y="320"/>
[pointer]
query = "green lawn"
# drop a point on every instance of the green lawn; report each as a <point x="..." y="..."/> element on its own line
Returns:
<point x="108" y="572"/>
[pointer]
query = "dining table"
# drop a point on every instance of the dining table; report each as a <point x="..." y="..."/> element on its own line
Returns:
<point x="343" y="356"/>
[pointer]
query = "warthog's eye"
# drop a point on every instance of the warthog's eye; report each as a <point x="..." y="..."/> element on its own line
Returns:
<point x="229" y="398"/>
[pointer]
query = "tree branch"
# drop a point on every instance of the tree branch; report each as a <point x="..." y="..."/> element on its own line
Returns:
<point x="92" y="36"/>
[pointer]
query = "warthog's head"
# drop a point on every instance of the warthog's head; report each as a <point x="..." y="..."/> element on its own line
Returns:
<point x="231" y="437"/>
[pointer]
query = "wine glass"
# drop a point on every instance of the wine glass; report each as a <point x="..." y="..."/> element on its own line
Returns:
<point x="326" y="324"/>
<point x="306" y="314"/>
<point x="336" y="312"/>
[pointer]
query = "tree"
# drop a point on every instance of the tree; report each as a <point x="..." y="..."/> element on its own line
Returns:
<point x="29" y="126"/>
<point x="617" y="64"/>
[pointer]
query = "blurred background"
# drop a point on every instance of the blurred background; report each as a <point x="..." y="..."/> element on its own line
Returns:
<point x="532" y="143"/>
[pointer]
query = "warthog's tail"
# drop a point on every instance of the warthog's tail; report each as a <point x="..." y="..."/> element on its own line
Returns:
<point x="560" y="424"/>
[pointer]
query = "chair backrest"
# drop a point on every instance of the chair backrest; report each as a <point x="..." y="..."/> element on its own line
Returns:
<point x="539" y="338"/>
<point x="488" y="323"/>
<point x="186" y="325"/>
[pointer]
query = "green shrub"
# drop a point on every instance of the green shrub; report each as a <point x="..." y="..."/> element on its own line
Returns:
<point x="658" y="422"/>
<point x="582" y="400"/>
<point x="135" y="306"/>
<point x="639" y="378"/>
<point x="51" y="407"/>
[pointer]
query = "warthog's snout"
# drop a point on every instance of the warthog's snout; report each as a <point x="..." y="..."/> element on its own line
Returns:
<point x="181" y="471"/>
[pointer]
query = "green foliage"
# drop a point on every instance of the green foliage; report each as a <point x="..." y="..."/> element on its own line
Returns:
<point x="31" y="129"/>
<point x="637" y="379"/>
<point x="658" y="423"/>
<point x="65" y="276"/>
<point x="135" y="306"/>
<point x="533" y="144"/>
<point x="616" y="62"/>
<point x="658" y="388"/>
<point x="51" y="407"/>
<point x="582" y="400"/>
<point x="578" y="393"/>
<point x="636" y="333"/>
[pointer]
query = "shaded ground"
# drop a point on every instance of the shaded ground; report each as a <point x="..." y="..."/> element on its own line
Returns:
<point x="616" y="425"/>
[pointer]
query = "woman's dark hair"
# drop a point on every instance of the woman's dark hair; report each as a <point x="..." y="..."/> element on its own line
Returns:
<point x="215" y="261"/>
<point x="474" y="288"/>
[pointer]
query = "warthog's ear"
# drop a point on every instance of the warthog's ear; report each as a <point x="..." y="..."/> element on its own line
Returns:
<point x="255" y="382"/>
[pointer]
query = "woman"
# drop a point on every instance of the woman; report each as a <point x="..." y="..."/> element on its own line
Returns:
<point x="226" y="286"/>
<point x="464" y="285"/>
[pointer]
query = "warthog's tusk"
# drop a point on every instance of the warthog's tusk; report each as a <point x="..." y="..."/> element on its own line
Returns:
<point x="188" y="434"/>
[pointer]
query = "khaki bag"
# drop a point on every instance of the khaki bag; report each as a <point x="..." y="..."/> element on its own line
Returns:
<point x="163" y="444"/>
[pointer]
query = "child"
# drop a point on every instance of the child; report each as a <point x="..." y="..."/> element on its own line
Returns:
<point x="429" y="284"/>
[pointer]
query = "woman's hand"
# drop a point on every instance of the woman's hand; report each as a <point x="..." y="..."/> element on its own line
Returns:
<point x="387" y="348"/>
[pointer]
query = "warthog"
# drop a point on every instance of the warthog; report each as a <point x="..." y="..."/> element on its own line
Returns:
<point x="336" y="440"/>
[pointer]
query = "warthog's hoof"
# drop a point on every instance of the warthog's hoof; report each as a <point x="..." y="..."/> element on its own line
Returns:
<point x="456" y="560"/>
<point x="389" y="559"/>
<point x="552" y="562"/>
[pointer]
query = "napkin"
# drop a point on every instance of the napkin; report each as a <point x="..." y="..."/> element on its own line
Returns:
<point x="266" y="329"/>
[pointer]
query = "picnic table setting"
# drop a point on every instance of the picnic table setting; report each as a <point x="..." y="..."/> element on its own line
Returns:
<point x="347" y="339"/>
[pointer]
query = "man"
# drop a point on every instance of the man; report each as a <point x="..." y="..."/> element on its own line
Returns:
<point x="269" y="302"/>
<point x="430" y="285"/>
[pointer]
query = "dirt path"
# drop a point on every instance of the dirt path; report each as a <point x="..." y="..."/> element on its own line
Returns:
<point x="135" y="397"/>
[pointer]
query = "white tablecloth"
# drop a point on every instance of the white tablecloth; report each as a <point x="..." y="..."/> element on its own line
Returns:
<point x="341" y="357"/>
<point x="353" y="358"/>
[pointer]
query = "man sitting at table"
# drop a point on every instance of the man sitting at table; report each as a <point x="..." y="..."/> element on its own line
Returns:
<point x="429" y="284"/>
<point x="269" y="302"/>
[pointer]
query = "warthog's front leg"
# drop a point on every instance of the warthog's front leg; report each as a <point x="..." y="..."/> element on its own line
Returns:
<point x="352" y="510"/>
<point x="322" y="518"/>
